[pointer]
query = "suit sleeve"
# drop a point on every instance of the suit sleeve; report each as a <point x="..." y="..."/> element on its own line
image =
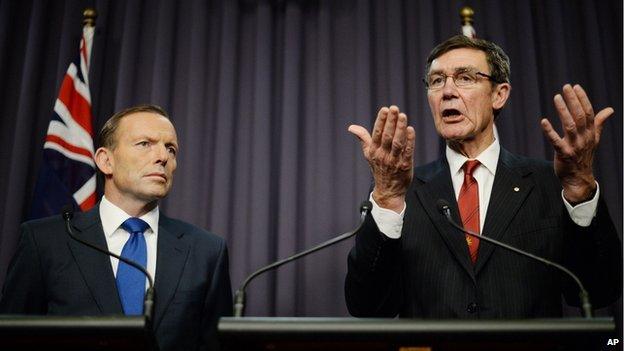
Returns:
<point x="218" y="302"/>
<point x="594" y="253"/>
<point x="24" y="289"/>
<point x="373" y="282"/>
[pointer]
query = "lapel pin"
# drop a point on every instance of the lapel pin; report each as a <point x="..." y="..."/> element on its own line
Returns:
<point x="516" y="189"/>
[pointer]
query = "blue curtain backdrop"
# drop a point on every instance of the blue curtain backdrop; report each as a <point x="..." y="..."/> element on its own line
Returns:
<point x="261" y="93"/>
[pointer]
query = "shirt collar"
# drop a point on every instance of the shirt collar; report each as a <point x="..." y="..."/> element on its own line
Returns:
<point x="488" y="158"/>
<point x="112" y="217"/>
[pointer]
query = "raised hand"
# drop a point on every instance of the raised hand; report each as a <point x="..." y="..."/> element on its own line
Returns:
<point x="389" y="152"/>
<point x="574" y="152"/>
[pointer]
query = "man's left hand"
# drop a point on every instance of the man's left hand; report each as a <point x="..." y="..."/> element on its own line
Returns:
<point x="574" y="152"/>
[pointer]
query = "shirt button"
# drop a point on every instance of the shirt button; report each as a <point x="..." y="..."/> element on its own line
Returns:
<point x="472" y="307"/>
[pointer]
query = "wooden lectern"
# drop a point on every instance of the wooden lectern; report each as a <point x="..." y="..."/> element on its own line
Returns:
<point x="277" y="334"/>
<point x="75" y="333"/>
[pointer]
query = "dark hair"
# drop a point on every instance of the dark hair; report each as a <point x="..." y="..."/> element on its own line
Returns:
<point x="106" y="137"/>
<point x="497" y="60"/>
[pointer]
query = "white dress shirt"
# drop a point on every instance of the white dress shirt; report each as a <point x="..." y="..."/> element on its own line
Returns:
<point x="112" y="217"/>
<point x="390" y="223"/>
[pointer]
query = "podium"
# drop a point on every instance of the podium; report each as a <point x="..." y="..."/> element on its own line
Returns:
<point x="278" y="334"/>
<point x="75" y="333"/>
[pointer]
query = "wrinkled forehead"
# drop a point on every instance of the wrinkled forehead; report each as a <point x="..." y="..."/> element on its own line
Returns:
<point x="457" y="60"/>
<point x="146" y="124"/>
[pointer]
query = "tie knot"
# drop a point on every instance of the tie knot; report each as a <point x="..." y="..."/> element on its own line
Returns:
<point x="470" y="166"/>
<point x="135" y="225"/>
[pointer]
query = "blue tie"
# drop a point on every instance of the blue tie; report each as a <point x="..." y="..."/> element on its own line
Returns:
<point x="130" y="281"/>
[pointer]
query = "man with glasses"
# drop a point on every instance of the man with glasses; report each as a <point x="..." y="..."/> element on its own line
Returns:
<point x="408" y="260"/>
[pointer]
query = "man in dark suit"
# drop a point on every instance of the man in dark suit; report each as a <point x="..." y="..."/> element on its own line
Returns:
<point x="408" y="260"/>
<point x="53" y="274"/>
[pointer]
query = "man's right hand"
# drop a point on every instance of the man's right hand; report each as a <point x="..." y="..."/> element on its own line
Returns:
<point x="389" y="152"/>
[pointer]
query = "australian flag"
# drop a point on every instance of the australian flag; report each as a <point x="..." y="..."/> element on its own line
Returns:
<point x="67" y="175"/>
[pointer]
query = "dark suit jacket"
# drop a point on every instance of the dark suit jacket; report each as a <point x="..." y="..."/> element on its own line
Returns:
<point x="428" y="273"/>
<point x="53" y="274"/>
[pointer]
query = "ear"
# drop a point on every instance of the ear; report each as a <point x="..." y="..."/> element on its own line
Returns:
<point x="500" y="94"/>
<point x="104" y="160"/>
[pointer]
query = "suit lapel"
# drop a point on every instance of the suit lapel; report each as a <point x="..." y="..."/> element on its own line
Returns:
<point x="510" y="189"/>
<point x="436" y="185"/>
<point x="95" y="267"/>
<point x="171" y="258"/>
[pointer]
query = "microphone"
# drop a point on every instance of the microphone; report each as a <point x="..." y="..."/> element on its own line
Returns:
<point x="443" y="208"/>
<point x="148" y="303"/>
<point x="239" y="297"/>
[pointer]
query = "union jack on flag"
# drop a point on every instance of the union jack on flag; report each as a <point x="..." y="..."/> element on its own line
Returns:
<point x="67" y="175"/>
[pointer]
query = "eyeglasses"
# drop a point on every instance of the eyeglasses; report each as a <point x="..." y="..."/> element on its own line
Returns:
<point x="462" y="79"/>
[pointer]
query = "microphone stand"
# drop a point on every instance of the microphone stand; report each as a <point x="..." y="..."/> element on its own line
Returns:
<point x="443" y="207"/>
<point x="148" y="303"/>
<point x="239" y="297"/>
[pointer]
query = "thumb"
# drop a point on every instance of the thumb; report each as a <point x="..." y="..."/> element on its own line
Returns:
<point x="600" y="119"/>
<point x="361" y="133"/>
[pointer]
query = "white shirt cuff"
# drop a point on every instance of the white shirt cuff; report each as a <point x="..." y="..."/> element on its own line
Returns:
<point x="583" y="213"/>
<point x="389" y="222"/>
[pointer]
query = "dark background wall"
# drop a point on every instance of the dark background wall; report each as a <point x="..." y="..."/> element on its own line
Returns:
<point x="262" y="92"/>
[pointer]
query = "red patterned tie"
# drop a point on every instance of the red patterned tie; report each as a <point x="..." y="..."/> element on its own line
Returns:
<point x="468" y="202"/>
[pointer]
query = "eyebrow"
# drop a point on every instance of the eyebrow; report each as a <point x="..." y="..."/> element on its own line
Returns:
<point x="456" y="70"/>
<point x="151" y="139"/>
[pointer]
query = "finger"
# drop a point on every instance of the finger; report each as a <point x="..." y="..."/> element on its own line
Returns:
<point x="378" y="128"/>
<point x="550" y="133"/>
<point x="389" y="128"/>
<point x="398" y="142"/>
<point x="569" y="126"/>
<point x="600" y="119"/>
<point x="361" y="133"/>
<point x="574" y="106"/>
<point x="586" y="105"/>
<point x="410" y="143"/>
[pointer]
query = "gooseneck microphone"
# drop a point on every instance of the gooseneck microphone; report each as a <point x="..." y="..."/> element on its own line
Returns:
<point x="239" y="297"/>
<point x="148" y="302"/>
<point x="444" y="208"/>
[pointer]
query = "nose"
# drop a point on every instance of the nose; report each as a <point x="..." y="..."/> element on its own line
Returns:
<point x="449" y="90"/>
<point x="162" y="154"/>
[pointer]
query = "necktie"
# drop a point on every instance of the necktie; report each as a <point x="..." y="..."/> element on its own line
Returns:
<point x="130" y="281"/>
<point x="468" y="202"/>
